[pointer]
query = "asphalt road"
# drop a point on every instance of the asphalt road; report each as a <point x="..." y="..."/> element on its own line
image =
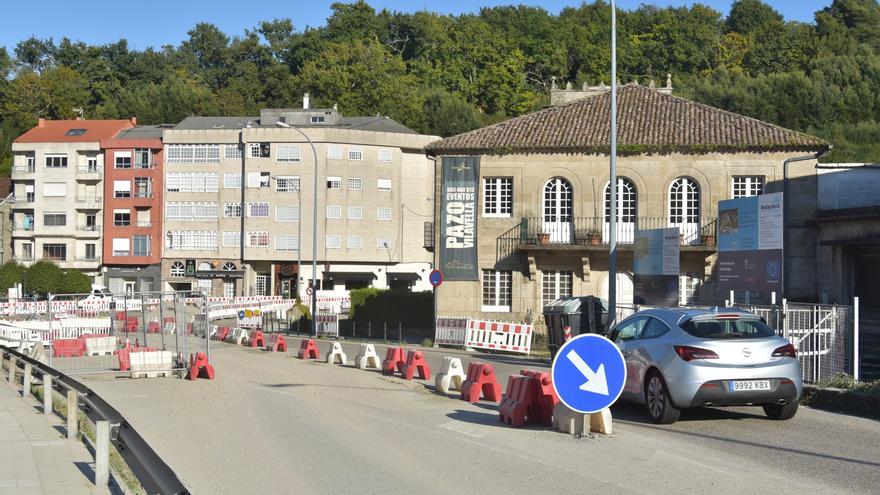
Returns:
<point x="271" y="423"/>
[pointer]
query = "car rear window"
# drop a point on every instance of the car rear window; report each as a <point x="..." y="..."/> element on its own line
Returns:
<point x="728" y="329"/>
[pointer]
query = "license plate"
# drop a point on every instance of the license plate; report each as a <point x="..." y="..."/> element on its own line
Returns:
<point x="749" y="385"/>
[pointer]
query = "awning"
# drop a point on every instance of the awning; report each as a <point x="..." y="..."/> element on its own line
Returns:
<point x="352" y="275"/>
<point x="403" y="276"/>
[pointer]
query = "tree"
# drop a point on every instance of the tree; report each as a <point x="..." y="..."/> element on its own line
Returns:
<point x="35" y="54"/>
<point x="74" y="282"/>
<point x="43" y="277"/>
<point x="10" y="275"/>
<point x="748" y="16"/>
<point x="363" y="78"/>
<point x="447" y="114"/>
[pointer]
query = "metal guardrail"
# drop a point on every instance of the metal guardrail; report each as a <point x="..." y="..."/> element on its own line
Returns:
<point x="151" y="471"/>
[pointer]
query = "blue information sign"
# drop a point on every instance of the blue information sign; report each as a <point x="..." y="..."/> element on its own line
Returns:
<point x="241" y="315"/>
<point x="436" y="278"/>
<point x="588" y="373"/>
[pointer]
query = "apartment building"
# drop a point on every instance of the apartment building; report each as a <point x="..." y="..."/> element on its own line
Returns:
<point x="132" y="224"/>
<point x="239" y="193"/>
<point x="58" y="174"/>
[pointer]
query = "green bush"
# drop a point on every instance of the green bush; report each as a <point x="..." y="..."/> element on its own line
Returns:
<point x="44" y="277"/>
<point x="412" y="309"/>
<point x="74" y="282"/>
<point x="10" y="275"/>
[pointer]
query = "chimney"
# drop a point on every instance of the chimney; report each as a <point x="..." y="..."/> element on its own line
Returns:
<point x="41" y="122"/>
<point x="305" y="101"/>
<point x="134" y="121"/>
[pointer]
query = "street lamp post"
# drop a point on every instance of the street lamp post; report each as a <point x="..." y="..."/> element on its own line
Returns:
<point x="314" y="295"/>
<point x="612" y="236"/>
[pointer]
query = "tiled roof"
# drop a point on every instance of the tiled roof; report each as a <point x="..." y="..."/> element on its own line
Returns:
<point x="648" y="121"/>
<point x="377" y="124"/>
<point x="73" y="131"/>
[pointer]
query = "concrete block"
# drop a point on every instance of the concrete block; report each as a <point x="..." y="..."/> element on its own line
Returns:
<point x="47" y="394"/>
<point x="451" y="375"/>
<point x="335" y="354"/>
<point x="26" y="382"/>
<point x="72" y="414"/>
<point x="102" y="453"/>
<point x="367" y="358"/>
<point x="12" y="364"/>
<point x="575" y="423"/>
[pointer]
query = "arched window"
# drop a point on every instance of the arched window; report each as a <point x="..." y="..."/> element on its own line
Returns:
<point x="627" y="201"/>
<point x="684" y="201"/>
<point x="557" y="210"/>
<point x="177" y="269"/>
<point x="229" y="266"/>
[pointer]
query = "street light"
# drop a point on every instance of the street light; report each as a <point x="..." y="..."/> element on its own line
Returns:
<point x="314" y="295"/>
<point x="612" y="237"/>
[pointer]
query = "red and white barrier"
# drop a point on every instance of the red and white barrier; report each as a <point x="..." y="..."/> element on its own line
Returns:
<point x="328" y="325"/>
<point x="499" y="336"/>
<point x="450" y="331"/>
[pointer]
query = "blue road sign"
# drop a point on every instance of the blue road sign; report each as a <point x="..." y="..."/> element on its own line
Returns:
<point x="241" y="315"/>
<point x="588" y="373"/>
<point x="436" y="278"/>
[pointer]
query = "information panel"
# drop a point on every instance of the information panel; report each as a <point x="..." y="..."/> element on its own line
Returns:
<point x="750" y="232"/>
<point x="656" y="267"/>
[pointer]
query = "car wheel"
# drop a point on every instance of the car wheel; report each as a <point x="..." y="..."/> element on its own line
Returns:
<point x="781" y="412"/>
<point x="660" y="406"/>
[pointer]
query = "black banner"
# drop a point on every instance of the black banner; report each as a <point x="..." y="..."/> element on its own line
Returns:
<point x="458" y="217"/>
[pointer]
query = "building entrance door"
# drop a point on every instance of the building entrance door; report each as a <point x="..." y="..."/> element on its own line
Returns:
<point x="557" y="210"/>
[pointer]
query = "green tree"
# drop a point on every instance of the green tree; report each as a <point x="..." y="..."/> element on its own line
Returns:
<point x="447" y="114"/>
<point x="748" y="16"/>
<point x="363" y="78"/>
<point x="44" y="277"/>
<point x="10" y="275"/>
<point x="74" y="282"/>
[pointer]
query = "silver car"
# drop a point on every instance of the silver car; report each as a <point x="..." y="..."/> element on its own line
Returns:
<point x="680" y="358"/>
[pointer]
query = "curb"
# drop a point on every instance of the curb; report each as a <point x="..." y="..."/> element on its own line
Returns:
<point x="842" y="401"/>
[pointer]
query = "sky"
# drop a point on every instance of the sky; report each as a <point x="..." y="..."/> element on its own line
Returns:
<point x="162" y="22"/>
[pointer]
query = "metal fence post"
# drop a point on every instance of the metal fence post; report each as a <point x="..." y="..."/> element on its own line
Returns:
<point x="205" y="326"/>
<point x="174" y="301"/>
<point x="400" y="332"/>
<point x="102" y="453"/>
<point x="856" y="338"/>
<point x="26" y="383"/>
<point x="47" y="393"/>
<point x="72" y="413"/>
<point x="12" y="364"/>
<point x="369" y="330"/>
<point x="125" y="311"/>
<point x="385" y="331"/>
<point x="144" y="319"/>
<point x="52" y="335"/>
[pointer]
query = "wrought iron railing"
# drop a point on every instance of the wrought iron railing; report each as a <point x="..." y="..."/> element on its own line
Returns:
<point x="596" y="231"/>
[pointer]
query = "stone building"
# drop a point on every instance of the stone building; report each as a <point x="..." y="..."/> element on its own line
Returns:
<point x="239" y="193"/>
<point x="542" y="223"/>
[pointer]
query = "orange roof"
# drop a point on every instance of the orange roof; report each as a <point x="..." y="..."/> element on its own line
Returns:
<point x="74" y="131"/>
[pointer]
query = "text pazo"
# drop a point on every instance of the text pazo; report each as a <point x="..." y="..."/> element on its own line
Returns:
<point x="460" y="225"/>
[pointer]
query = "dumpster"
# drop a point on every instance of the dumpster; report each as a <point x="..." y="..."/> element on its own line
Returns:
<point x="567" y="317"/>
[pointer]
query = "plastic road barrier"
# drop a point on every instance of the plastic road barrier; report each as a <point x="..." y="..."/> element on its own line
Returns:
<point x="415" y="363"/>
<point x="68" y="347"/>
<point x="153" y="327"/>
<point x="169" y="325"/>
<point x="328" y="325"/>
<point x="150" y="364"/>
<point x="222" y="333"/>
<point x="335" y="354"/>
<point x="100" y="345"/>
<point x="451" y="375"/>
<point x="481" y="380"/>
<point x="499" y="336"/>
<point x="257" y="339"/>
<point x="529" y="399"/>
<point x="394" y="360"/>
<point x="276" y="343"/>
<point x="367" y="358"/>
<point x="199" y="367"/>
<point x="131" y="324"/>
<point x="308" y="350"/>
<point x="572" y="422"/>
<point x="238" y="335"/>
<point x="450" y="331"/>
<point x="541" y="411"/>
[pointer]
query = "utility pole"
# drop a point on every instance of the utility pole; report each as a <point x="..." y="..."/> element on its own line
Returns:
<point x="612" y="224"/>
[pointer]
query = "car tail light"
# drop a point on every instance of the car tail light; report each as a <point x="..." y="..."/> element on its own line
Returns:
<point x="732" y="316"/>
<point x="689" y="353"/>
<point x="786" y="381"/>
<point x="787" y="350"/>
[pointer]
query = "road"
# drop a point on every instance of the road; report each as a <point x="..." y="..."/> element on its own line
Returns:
<point x="271" y="423"/>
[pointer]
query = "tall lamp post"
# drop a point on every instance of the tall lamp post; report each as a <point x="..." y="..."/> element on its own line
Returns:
<point x="314" y="295"/>
<point x="612" y="237"/>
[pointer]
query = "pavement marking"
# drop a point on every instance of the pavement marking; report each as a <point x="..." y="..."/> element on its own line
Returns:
<point x="459" y="427"/>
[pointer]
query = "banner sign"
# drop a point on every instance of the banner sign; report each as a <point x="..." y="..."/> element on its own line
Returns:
<point x="750" y="234"/>
<point x="458" y="217"/>
<point x="656" y="267"/>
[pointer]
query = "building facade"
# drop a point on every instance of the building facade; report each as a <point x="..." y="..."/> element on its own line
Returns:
<point x="58" y="174"/>
<point x="133" y="213"/>
<point x="543" y="196"/>
<point x="239" y="193"/>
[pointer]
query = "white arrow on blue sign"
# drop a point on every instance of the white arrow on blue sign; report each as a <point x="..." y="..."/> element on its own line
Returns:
<point x="588" y="373"/>
<point x="241" y="315"/>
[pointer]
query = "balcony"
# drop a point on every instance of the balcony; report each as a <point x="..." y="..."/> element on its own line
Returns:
<point x="83" y="200"/>
<point x="89" y="172"/>
<point x="88" y="230"/>
<point x="23" y="202"/>
<point x="142" y="194"/>
<point x="19" y="230"/>
<point x="24" y="169"/>
<point x="593" y="233"/>
<point x="154" y="163"/>
<point x="23" y="259"/>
